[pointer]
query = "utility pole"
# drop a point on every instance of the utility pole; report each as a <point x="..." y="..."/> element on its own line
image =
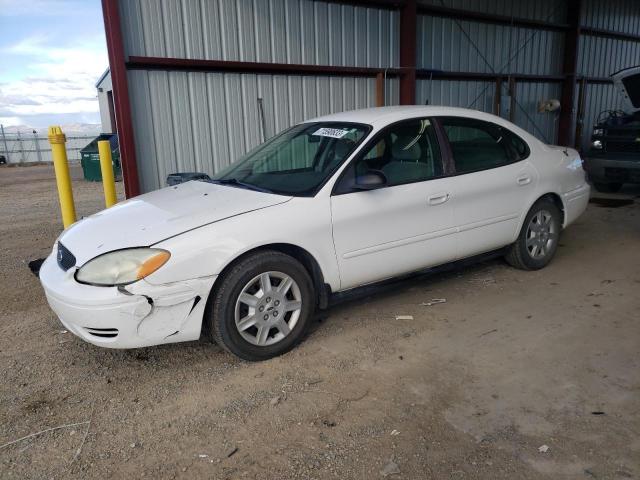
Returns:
<point x="4" y="141"/>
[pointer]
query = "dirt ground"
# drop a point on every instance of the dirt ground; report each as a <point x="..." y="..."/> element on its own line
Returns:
<point x="472" y="388"/>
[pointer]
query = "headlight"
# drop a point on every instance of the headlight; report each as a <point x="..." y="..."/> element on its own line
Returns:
<point x="122" y="266"/>
<point x="597" y="144"/>
<point x="598" y="132"/>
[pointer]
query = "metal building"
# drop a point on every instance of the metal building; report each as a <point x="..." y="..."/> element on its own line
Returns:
<point x="105" y="102"/>
<point x="198" y="82"/>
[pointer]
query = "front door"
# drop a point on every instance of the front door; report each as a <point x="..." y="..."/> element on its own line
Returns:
<point x="403" y="226"/>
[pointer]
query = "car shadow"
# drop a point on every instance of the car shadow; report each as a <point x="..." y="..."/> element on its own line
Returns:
<point x="385" y="289"/>
<point x="186" y="354"/>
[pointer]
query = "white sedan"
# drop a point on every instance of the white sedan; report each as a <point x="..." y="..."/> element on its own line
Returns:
<point x="328" y="205"/>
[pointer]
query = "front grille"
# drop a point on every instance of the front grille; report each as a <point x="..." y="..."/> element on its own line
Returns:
<point x="623" y="146"/>
<point x="66" y="260"/>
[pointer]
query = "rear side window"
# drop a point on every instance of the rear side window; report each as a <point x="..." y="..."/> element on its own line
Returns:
<point x="478" y="145"/>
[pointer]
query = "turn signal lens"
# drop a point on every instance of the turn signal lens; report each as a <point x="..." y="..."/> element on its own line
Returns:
<point x="122" y="267"/>
<point x="153" y="264"/>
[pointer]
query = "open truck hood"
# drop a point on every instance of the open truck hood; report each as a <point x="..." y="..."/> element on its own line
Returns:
<point x="627" y="82"/>
<point x="150" y="218"/>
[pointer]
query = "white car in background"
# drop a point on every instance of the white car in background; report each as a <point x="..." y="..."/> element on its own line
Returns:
<point x="328" y="205"/>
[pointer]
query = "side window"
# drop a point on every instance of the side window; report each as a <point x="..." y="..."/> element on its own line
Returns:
<point x="478" y="145"/>
<point x="519" y="146"/>
<point x="406" y="152"/>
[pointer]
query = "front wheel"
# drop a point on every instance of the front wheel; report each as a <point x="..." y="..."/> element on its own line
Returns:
<point x="262" y="307"/>
<point x="538" y="239"/>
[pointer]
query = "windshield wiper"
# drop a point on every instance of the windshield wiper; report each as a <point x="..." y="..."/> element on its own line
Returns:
<point x="237" y="183"/>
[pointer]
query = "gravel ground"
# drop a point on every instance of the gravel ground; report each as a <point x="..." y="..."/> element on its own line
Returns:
<point x="471" y="389"/>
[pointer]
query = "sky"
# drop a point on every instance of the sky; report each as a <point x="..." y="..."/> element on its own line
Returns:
<point x="52" y="52"/>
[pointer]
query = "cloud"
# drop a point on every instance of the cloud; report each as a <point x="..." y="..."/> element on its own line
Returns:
<point x="49" y="8"/>
<point x="58" y="80"/>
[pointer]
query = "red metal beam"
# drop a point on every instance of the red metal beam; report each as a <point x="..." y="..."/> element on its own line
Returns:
<point x="600" y="32"/>
<point x="193" y="65"/>
<point x="124" y="124"/>
<point x="382" y="4"/>
<point x="408" y="40"/>
<point x="566" y="123"/>
<point x="488" y="77"/>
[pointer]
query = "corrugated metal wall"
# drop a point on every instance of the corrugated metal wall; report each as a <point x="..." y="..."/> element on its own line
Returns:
<point x="546" y="10"/>
<point x="281" y="31"/>
<point x="602" y="57"/>
<point x="465" y="46"/>
<point x="203" y="121"/>
<point x="616" y="15"/>
<point x="455" y="45"/>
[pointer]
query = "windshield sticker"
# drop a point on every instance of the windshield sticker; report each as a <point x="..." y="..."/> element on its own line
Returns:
<point x="331" y="132"/>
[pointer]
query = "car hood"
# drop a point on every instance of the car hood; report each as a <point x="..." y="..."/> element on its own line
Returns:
<point x="627" y="81"/>
<point x="156" y="216"/>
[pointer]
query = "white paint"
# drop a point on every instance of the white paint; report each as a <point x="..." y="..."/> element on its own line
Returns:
<point x="356" y="238"/>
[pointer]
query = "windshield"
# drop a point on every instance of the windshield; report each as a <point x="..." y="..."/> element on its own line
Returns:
<point x="298" y="161"/>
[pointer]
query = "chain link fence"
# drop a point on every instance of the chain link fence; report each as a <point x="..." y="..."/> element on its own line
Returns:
<point x="30" y="147"/>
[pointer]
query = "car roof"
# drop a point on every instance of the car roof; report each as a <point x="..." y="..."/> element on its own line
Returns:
<point x="381" y="116"/>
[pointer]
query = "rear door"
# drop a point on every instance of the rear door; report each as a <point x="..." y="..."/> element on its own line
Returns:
<point x="403" y="226"/>
<point x="492" y="184"/>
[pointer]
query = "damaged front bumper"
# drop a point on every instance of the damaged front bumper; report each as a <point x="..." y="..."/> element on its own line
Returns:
<point x="138" y="315"/>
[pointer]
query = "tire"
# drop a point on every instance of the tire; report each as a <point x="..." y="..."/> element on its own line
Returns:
<point x="523" y="254"/>
<point x="239" y="324"/>
<point x="607" y="187"/>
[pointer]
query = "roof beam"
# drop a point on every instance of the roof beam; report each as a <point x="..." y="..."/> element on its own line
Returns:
<point x="193" y="65"/>
<point x="459" y="14"/>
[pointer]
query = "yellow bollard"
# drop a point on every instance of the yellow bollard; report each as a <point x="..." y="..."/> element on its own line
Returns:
<point x="106" y="168"/>
<point x="57" y="140"/>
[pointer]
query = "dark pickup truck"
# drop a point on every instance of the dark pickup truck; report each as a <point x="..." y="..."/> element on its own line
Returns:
<point x="614" y="156"/>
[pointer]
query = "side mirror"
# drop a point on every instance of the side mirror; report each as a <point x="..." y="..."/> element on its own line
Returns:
<point x="371" y="180"/>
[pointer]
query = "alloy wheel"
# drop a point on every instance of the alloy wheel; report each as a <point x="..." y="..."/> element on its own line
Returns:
<point x="541" y="234"/>
<point x="268" y="308"/>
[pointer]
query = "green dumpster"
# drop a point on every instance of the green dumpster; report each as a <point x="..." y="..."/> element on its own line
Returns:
<point x="90" y="160"/>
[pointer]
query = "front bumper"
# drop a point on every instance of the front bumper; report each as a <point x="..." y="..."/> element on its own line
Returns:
<point x="140" y="316"/>
<point x="612" y="169"/>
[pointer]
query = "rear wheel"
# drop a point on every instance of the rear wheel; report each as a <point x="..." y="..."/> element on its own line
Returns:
<point x="538" y="239"/>
<point x="607" y="187"/>
<point x="262" y="307"/>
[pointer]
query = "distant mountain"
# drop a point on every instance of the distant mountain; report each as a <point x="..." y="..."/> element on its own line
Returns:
<point x="69" y="129"/>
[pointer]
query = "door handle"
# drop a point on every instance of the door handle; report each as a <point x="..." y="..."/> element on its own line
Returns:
<point x="438" y="198"/>
<point x="523" y="180"/>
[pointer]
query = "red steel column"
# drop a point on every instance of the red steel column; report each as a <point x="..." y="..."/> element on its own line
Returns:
<point x="124" y="124"/>
<point x="408" y="40"/>
<point x="569" y="70"/>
